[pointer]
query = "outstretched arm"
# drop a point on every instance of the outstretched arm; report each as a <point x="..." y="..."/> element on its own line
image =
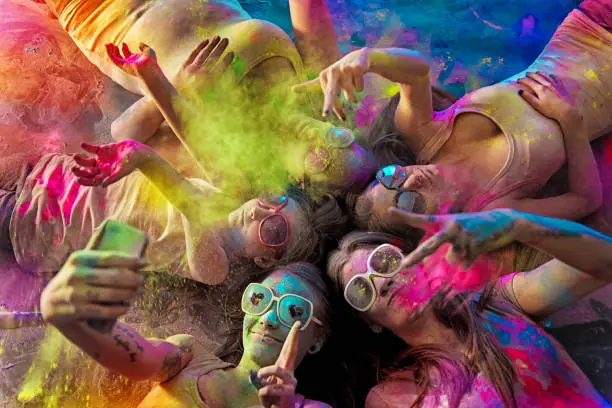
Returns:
<point x="583" y="256"/>
<point x="409" y="69"/>
<point x="315" y="36"/>
<point x="99" y="285"/>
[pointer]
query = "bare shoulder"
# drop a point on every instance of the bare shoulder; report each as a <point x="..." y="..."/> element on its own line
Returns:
<point x="391" y="394"/>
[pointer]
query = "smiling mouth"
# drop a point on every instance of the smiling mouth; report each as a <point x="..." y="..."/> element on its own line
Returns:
<point x="267" y="338"/>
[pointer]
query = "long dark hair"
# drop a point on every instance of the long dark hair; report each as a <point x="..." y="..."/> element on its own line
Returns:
<point x="323" y="367"/>
<point x="463" y="315"/>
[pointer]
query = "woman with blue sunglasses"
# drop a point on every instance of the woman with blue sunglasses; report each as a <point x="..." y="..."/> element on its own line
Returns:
<point x="287" y="317"/>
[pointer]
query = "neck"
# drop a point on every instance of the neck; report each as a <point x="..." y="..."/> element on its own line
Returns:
<point x="247" y="364"/>
<point x="428" y="330"/>
<point x="460" y="185"/>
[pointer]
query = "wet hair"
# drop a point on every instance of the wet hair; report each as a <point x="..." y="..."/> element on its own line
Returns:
<point x="325" y="220"/>
<point x="463" y="315"/>
<point x="323" y="367"/>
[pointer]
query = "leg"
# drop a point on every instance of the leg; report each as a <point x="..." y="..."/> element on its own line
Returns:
<point x="600" y="11"/>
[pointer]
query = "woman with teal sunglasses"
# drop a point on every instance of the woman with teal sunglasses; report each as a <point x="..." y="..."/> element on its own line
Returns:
<point x="287" y="318"/>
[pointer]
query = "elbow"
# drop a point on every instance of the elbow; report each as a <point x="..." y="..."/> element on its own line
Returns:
<point x="214" y="273"/>
<point x="117" y="129"/>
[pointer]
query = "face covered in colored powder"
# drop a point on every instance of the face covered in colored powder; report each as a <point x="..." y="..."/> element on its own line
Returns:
<point x="417" y="189"/>
<point x="264" y="228"/>
<point x="392" y="300"/>
<point x="267" y="320"/>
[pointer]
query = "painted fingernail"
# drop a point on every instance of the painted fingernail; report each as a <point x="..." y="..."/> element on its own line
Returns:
<point x="520" y="92"/>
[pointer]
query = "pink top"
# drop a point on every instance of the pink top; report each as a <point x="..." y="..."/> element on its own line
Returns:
<point x="546" y="375"/>
<point x="580" y="54"/>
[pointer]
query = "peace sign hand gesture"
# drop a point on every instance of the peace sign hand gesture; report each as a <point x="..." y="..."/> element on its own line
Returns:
<point x="469" y="234"/>
<point x="345" y="75"/>
<point x="279" y="383"/>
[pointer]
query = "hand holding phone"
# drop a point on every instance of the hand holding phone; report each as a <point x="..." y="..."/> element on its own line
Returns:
<point x="118" y="237"/>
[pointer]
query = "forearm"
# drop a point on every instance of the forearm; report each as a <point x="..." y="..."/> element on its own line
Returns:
<point x="583" y="175"/>
<point x="315" y="36"/>
<point x="573" y="244"/>
<point x="173" y="107"/>
<point x="183" y="195"/>
<point x="398" y="64"/>
<point x="139" y="122"/>
<point x="124" y="351"/>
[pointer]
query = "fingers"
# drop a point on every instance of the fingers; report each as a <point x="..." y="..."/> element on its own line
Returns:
<point x="314" y="85"/>
<point x="194" y="53"/>
<point x="206" y="52"/>
<point x="113" y="53"/>
<point x="533" y="85"/>
<point x="125" y="49"/>
<point x="288" y="354"/>
<point x="275" y="391"/>
<point x="83" y="293"/>
<point x="539" y="78"/>
<point x="86" y="172"/>
<point x="331" y="91"/>
<point x="90" y="148"/>
<point x="85" y="161"/>
<point x="425" y="249"/>
<point x="89" y="310"/>
<point x="221" y="67"/>
<point x="278" y="372"/>
<point x="429" y="223"/>
<point x="105" y="259"/>
<point x="358" y="83"/>
<point x="532" y="99"/>
<point x="218" y="51"/>
<point x="348" y="87"/>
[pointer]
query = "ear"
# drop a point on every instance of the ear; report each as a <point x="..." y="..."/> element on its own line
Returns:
<point x="265" y="262"/>
<point x="318" y="343"/>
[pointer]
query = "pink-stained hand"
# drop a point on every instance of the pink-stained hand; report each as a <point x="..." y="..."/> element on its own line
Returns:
<point x="547" y="94"/>
<point x="130" y="62"/>
<point x="110" y="163"/>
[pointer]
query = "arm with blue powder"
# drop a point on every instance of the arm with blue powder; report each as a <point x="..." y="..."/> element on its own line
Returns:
<point x="583" y="256"/>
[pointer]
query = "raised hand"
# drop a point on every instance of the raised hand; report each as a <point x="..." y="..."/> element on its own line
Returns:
<point x="110" y="162"/>
<point x="344" y="75"/>
<point x="134" y="64"/>
<point x="90" y="285"/>
<point x="204" y="64"/>
<point x="470" y="234"/>
<point x="546" y="94"/>
<point x="280" y="383"/>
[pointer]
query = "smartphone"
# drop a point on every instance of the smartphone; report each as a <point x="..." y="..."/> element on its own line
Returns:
<point x="119" y="237"/>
